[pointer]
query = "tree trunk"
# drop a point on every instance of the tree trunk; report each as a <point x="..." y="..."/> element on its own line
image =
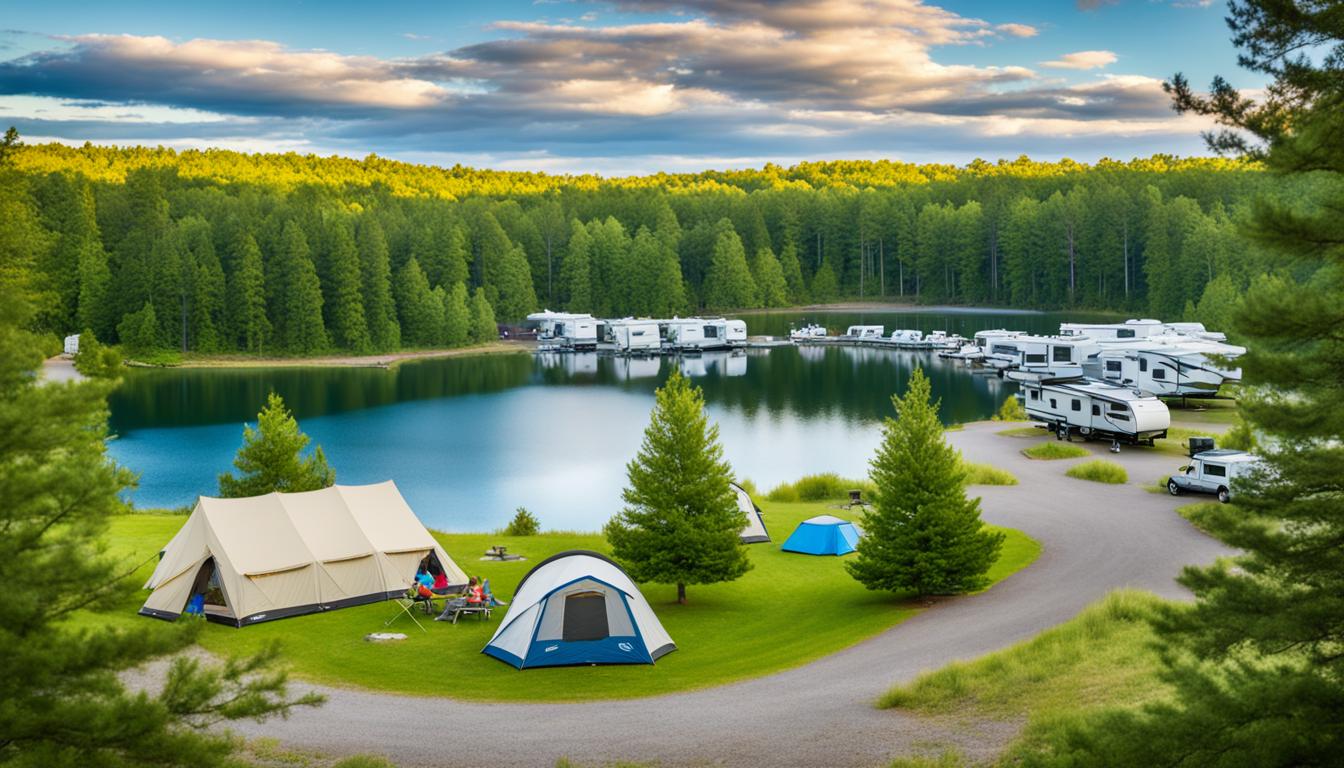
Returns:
<point x="1125" y="241"/>
<point x="681" y="593"/>
<point x="882" y="268"/>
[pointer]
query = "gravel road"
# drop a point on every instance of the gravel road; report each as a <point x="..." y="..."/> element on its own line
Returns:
<point x="1096" y="538"/>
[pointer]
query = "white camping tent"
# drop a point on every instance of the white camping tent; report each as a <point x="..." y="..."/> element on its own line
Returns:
<point x="285" y="554"/>
<point x="754" y="532"/>
<point x="578" y="607"/>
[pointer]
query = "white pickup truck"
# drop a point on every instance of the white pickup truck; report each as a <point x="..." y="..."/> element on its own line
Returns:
<point x="1212" y="472"/>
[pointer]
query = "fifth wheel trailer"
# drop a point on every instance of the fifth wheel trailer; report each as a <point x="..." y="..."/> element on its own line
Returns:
<point x="1095" y="409"/>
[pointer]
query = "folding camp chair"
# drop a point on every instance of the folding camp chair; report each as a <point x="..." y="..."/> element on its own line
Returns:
<point x="405" y="603"/>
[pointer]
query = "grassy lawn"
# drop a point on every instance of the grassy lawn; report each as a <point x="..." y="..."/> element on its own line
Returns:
<point x="1175" y="443"/>
<point x="1022" y="432"/>
<point x="766" y="621"/>
<point x="1055" y="450"/>
<point x="988" y="474"/>
<point x="1099" y="471"/>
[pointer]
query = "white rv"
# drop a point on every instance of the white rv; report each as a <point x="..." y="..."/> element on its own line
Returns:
<point x="906" y="338"/>
<point x="1095" y="409"/>
<point x="864" y="332"/>
<point x="1130" y="329"/>
<point x="1171" y="368"/>
<point x="943" y="340"/>
<point x="1043" y="356"/>
<point x="809" y="332"/>
<point x="684" y="333"/>
<point x="566" y="330"/>
<point x="735" y="332"/>
<point x="1215" y="471"/>
<point x="634" y="336"/>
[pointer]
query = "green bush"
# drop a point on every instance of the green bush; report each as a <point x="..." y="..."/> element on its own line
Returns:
<point x="1011" y="410"/>
<point x="52" y="345"/>
<point x="95" y="359"/>
<point x="524" y="523"/>
<point x="1239" y="437"/>
<point x="750" y="487"/>
<point x="824" y="487"/>
<point x="1099" y="471"/>
<point x="987" y="474"/>
<point x="1055" y="451"/>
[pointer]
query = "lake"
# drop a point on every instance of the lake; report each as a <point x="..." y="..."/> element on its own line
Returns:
<point x="468" y="440"/>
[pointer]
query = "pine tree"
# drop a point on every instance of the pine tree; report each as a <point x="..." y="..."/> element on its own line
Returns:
<point x="206" y="284"/>
<point x="681" y="524"/>
<point x="456" y="316"/>
<point x="514" y="281"/>
<point x="483" y="327"/>
<point x="344" y="295"/>
<point x="769" y="278"/>
<point x="61" y="684"/>
<point x="922" y="535"/>
<point x="95" y="282"/>
<point x="379" y="309"/>
<point x="298" y="304"/>
<point x="824" y="287"/>
<point x="247" y="296"/>
<point x="139" y="331"/>
<point x="272" y="459"/>
<point x="420" y="311"/>
<point x="728" y="284"/>
<point x="793" y="273"/>
<point x="576" y="277"/>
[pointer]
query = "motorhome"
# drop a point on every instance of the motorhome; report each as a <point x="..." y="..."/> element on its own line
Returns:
<point x="683" y="333"/>
<point x="1130" y="329"/>
<point x="943" y="340"/>
<point x="1188" y="368"/>
<point x="809" y="332"/>
<point x="564" y="329"/>
<point x="1025" y="355"/>
<point x="906" y="338"/>
<point x="1095" y="409"/>
<point x="864" y="332"/>
<point x="634" y="336"/>
<point x="735" y="332"/>
<point x="1213" y="471"/>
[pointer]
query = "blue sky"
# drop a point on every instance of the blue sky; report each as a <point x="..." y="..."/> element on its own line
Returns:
<point x="629" y="86"/>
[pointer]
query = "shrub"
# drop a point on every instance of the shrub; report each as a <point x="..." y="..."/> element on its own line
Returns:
<point x="1055" y="451"/>
<point x="1099" y="471"/>
<point x="750" y="487"/>
<point x="1011" y="410"/>
<point x="1239" y="437"/>
<point x="524" y="523"/>
<point x="823" y="487"/>
<point x="96" y="359"/>
<point x="987" y="474"/>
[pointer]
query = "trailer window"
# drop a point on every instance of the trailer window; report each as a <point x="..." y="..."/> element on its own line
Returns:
<point x="1096" y="410"/>
<point x="1035" y="358"/>
<point x="1077" y="405"/>
<point x="1052" y="403"/>
<point x="1034" y="395"/>
<point x="1158" y="373"/>
<point x="711" y="332"/>
<point x="1143" y="363"/>
<point x="1124" y="333"/>
<point x="1061" y="354"/>
<point x="1118" y="407"/>
<point x="1112" y="366"/>
<point x="1215" y="470"/>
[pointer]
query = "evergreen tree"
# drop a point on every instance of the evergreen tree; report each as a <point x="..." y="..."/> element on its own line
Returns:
<point x="272" y="459"/>
<point x="456" y="316"/>
<point x="793" y="273"/>
<point x="64" y="699"/>
<point x="420" y="311"/>
<point x="824" y="287"/>
<point x="95" y="359"/>
<point x="483" y="327"/>
<point x="344" y="296"/>
<point x="514" y="281"/>
<point x="206" y="285"/>
<point x="769" y="278"/>
<point x="922" y="535"/>
<point x="298" y="297"/>
<point x="576" y="278"/>
<point x="380" y="311"/>
<point x="247" y="296"/>
<point x="95" y="281"/>
<point x="728" y="284"/>
<point x="1218" y="305"/>
<point x="139" y="331"/>
<point x="681" y="523"/>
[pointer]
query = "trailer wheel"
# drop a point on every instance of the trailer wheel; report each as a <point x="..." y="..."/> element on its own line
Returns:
<point x="1223" y="495"/>
<point x="1063" y="433"/>
<point x="1115" y="446"/>
<point x="1173" y="488"/>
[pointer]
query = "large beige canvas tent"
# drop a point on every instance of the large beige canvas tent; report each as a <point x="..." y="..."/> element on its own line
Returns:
<point x="285" y="554"/>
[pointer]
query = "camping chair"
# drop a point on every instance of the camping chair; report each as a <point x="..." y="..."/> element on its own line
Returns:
<point x="405" y="603"/>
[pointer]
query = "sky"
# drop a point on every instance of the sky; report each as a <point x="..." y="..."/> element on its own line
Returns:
<point x="619" y="87"/>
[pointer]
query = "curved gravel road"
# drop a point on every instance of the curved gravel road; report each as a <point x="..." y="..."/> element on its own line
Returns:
<point x="1095" y="538"/>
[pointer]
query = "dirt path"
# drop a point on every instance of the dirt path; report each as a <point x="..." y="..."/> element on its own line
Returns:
<point x="1096" y="538"/>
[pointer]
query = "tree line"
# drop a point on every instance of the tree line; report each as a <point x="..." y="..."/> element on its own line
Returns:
<point x="226" y="252"/>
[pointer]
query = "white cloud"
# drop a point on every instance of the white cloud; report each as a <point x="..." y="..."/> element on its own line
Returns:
<point x="1017" y="30"/>
<point x="1082" y="60"/>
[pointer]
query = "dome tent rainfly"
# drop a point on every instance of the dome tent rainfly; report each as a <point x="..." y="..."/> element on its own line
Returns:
<point x="578" y="607"/>
<point x="286" y="554"/>
<point x="754" y="532"/>
<point x="823" y="535"/>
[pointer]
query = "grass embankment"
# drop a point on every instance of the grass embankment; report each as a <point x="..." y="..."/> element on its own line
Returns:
<point x="987" y="474"/>
<point x="1103" y="657"/>
<point x="766" y="621"/>
<point x="1099" y="471"/>
<point x="1056" y="450"/>
<point x="1022" y="432"/>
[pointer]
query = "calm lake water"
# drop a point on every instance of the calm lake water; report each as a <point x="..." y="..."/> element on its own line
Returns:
<point x="469" y="440"/>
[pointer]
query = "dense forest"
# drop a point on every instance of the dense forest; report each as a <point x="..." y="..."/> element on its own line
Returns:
<point x="219" y="251"/>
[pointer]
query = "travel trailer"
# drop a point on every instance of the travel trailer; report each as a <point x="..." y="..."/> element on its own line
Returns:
<point x="864" y="332"/>
<point x="809" y="332"/>
<point x="1044" y="356"/>
<point x="566" y="330"/>
<point x="735" y="332"/>
<point x="683" y="333"/>
<point x="1196" y="330"/>
<point x="906" y="338"/>
<point x="1170" y="368"/>
<point x="1095" y="409"/>
<point x="634" y="337"/>
<point x="1214" y="471"/>
<point x="942" y="340"/>
<point x="1130" y="329"/>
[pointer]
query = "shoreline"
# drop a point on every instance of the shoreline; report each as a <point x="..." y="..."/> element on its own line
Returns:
<point x="387" y="360"/>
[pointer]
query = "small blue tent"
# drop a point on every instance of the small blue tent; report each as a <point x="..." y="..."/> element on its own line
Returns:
<point x="823" y="535"/>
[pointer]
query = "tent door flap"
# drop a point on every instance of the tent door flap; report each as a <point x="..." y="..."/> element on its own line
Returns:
<point x="585" y="616"/>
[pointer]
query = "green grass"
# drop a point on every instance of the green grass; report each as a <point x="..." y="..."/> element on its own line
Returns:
<point x="762" y="623"/>
<point x="1175" y="442"/>
<point x="1099" y="471"/>
<point x="988" y="474"/>
<point x="1102" y="656"/>
<point x="827" y="486"/>
<point x="1022" y="432"/>
<point x="1158" y="486"/>
<point x="1200" y="513"/>
<point x="1055" y="450"/>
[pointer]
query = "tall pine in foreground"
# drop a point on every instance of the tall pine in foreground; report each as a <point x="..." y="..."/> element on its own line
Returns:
<point x="62" y="700"/>
<point x="681" y="522"/>
<point x="1256" y="664"/>
<point x="272" y="459"/>
<point x="922" y="535"/>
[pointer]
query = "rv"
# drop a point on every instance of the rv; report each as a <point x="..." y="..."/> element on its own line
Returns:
<point x="907" y="338"/>
<point x="735" y="332"/>
<point x="1196" y="330"/>
<point x="1142" y="329"/>
<point x="631" y="336"/>
<point x="565" y="330"/>
<point x="1095" y="409"/>
<point x="810" y="332"/>
<point x="941" y="340"/>
<point x="864" y="332"/>
<point x="1170" y="368"/>
<point x="1213" y="471"/>
<point x="704" y="333"/>
<point x="1043" y="356"/>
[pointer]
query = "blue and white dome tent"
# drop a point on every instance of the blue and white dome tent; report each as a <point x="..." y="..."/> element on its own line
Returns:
<point x="578" y="607"/>
<point x="823" y="535"/>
